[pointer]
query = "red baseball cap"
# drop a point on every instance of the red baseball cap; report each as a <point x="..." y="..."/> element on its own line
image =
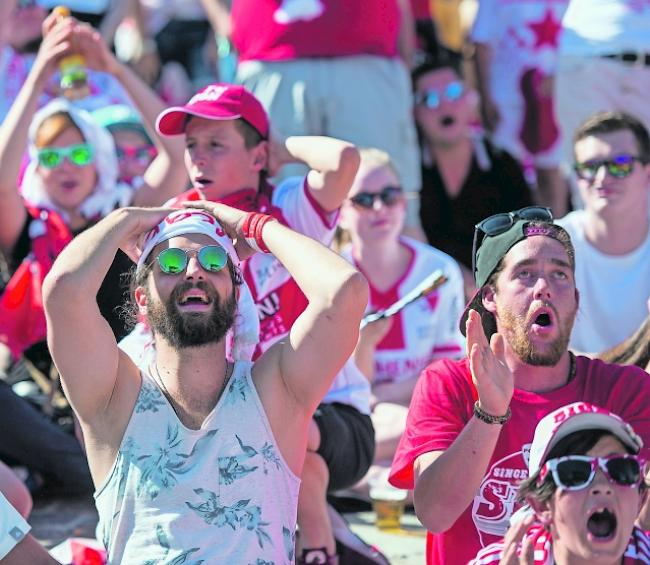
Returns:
<point x="219" y="101"/>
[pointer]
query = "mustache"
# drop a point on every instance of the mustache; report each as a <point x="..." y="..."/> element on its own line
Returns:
<point x="530" y="318"/>
<point x="185" y="286"/>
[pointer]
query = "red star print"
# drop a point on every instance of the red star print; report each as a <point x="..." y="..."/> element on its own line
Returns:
<point x="547" y="31"/>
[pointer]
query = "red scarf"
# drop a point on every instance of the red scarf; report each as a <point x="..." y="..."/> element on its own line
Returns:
<point x="246" y="199"/>
<point x="22" y="318"/>
<point x="638" y="548"/>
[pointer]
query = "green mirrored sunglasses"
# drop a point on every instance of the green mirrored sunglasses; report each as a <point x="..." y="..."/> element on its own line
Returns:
<point x="80" y="155"/>
<point x="173" y="260"/>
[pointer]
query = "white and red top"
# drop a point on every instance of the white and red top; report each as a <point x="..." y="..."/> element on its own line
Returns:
<point x="637" y="550"/>
<point x="283" y="30"/>
<point x="426" y="329"/>
<point x="442" y="405"/>
<point x="277" y="296"/>
<point x="523" y="35"/>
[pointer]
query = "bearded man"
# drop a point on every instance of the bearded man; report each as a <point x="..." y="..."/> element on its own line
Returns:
<point x="471" y="422"/>
<point x="198" y="456"/>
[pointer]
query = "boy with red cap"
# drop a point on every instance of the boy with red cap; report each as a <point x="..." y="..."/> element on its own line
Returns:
<point x="471" y="422"/>
<point x="228" y="156"/>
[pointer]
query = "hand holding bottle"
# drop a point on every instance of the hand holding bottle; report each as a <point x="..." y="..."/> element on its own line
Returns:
<point x="74" y="79"/>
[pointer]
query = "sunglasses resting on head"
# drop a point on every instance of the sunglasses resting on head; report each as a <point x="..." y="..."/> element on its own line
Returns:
<point x="502" y="222"/>
<point x="174" y="260"/>
<point x="81" y="154"/>
<point x="389" y="196"/>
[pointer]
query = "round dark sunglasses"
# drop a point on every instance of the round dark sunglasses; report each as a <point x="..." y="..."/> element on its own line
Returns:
<point x="502" y="222"/>
<point x="174" y="260"/>
<point x="576" y="472"/>
<point x="389" y="196"/>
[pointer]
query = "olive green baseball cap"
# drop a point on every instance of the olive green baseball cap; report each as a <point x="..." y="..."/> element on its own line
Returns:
<point x="492" y="250"/>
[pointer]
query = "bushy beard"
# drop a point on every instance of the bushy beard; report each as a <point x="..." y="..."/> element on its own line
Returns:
<point x="515" y="330"/>
<point x="191" y="329"/>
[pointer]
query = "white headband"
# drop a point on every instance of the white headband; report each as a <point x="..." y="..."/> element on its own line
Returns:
<point x="245" y="332"/>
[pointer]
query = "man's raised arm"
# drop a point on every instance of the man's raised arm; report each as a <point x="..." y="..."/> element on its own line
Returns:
<point x="325" y="334"/>
<point x="81" y="341"/>
<point x="333" y="165"/>
<point x="447" y="481"/>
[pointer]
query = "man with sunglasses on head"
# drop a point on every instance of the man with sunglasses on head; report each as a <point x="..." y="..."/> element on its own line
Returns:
<point x="198" y="453"/>
<point x="612" y="233"/>
<point x="471" y="422"/>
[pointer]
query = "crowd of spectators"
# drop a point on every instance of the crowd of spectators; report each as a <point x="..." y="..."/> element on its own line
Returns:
<point x="517" y="167"/>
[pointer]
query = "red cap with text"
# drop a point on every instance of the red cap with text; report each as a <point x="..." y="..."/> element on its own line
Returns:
<point x="217" y="101"/>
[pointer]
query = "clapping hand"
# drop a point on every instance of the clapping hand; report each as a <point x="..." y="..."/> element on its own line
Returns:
<point x="492" y="378"/>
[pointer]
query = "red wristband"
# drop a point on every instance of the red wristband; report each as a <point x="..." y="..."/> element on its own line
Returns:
<point x="254" y="223"/>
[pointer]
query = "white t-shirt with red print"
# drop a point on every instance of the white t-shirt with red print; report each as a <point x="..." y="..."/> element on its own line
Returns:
<point x="277" y="296"/>
<point x="605" y="27"/>
<point x="442" y="405"/>
<point x="523" y="35"/>
<point x="426" y="329"/>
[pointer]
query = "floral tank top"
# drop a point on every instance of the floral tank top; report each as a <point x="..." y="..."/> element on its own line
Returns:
<point x="219" y="494"/>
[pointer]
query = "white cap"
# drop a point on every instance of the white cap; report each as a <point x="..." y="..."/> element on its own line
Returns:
<point x="573" y="418"/>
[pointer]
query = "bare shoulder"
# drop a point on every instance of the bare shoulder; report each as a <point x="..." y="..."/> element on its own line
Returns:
<point x="267" y="377"/>
<point x="287" y="417"/>
<point x="105" y="429"/>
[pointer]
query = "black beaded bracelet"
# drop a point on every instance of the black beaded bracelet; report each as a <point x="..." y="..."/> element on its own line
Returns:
<point x="489" y="418"/>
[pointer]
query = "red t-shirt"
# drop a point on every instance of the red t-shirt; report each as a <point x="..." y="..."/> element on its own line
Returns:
<point x="441" y="406"/>
<point x="274" y="30"/>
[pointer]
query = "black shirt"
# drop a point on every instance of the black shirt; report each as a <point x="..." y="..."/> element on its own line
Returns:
<point x="448" y="222"/>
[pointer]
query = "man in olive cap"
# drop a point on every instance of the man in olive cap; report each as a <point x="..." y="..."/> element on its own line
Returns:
<point x="471" y="422"/>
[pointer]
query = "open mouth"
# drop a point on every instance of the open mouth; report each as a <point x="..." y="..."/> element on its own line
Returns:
<point x="194" y="299"/>
<point x="543" y="320"/>
<point x="447" y="121"/>
<point x="202" y="181"/>
<point x="602" y="524"/>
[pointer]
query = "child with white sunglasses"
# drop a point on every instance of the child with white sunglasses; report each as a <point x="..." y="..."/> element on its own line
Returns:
<point x="584" y="492"/>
